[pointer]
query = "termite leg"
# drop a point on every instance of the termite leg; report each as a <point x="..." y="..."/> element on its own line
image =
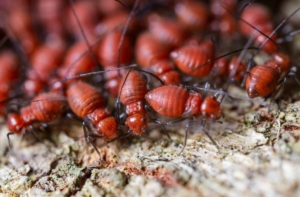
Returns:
<point x="10" y="144"/>
<point x="187" y="126"/>
<point x="33" y="131"/>
<point x="88" y="136"/>
<point x="163" y="128"/>
<point x="211" y="139"/>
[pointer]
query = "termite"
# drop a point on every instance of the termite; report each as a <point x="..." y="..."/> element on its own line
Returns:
<point x="44" y="63"/>
<point x="45" y="108"/>
<point x="88" y="103"/>
<point x="167" y="31"/>
<point x="259" y="17"/>
<point x="176" y="102"/>
<point x="263" y="79"/>
<point x="133" y="90"/>
<point x="153" y="56"/>
<point x="223" y="22"/>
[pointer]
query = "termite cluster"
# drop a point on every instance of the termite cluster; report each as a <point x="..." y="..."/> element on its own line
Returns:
<point x="158" y="59"/>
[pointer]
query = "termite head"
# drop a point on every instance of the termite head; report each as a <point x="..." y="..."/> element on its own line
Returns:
<point x="106" y="126"/>
<point x="211" y="108"/>
<point x="282" y="60"/>
<point x="15" y="123"/>
<point x="252" y="92"/>
<point x="137" y="124"/>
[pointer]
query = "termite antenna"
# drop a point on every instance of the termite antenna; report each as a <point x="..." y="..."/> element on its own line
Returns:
<point x="276" y="29"/>
<point x="209" y="136"/>
<point x="123" y="4"/>
<point x="118" y="98"/>
<point x="4" y="39"/>
<point x="96" y="73"/>
<point x="232" y="73"/>
<point x="124" y="32"/>
<point x="221" y="56"/>
<point x="217" y="92"/>
<point x="97" y="41"/>
<point x="115" y="139"/>
<point x="24" y="103"/>
<point x="83" y="34"/>
<point x="287" y="36"/>
<point x="244" y="6"/>
<point x="151" y="74"/>
<point x="244" y="21"/>
<point x="202" y="126"/>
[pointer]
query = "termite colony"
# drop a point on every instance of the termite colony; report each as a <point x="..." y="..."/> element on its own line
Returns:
<point x="56" y="50"/>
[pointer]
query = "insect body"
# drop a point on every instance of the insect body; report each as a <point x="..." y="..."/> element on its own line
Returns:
<point x="132" y="95"/>
<point x="175" y="101"/>
<point x="264" y="79"/>
<point x="152" y="55"/>
<point x="46" y="107"/>
<point x="259" y="17"/>
<point x="44" y="61"/>
<point x="87" y="103"/>
<point x="193" y="60"/>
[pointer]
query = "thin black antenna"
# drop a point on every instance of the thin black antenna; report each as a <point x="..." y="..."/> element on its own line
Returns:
<point x="124" y="32"/>
<point x="276" y="29"/>
<point x="83" y="34"/>
<point x="238" y="18"/>
<point x="224" y="55"/>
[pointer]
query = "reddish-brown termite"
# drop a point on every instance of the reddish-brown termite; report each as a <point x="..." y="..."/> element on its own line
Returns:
<point x="45" y="108"/>
<point x="176" y="102"/>
<point x="223" y="22"/>
<point x="44" y="63"/>
<point x="153" y="56"/>
<point x="88" y="103"/>
<point x="167" y="31"/>
<point x="133" y="90"/>
<point x="263" y="79"/>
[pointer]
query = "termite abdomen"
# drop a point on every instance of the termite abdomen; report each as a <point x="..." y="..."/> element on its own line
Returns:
<point x="174" y="101"/>
<point x="211" y="108"/>
<point x="108" y="50"/>
<point x="262" y="80"/>
<point x="193" y="60"/>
